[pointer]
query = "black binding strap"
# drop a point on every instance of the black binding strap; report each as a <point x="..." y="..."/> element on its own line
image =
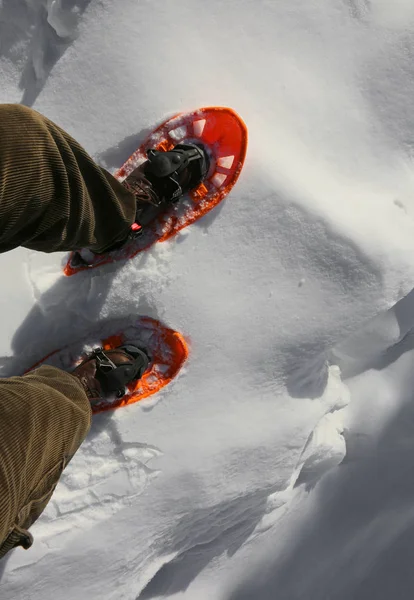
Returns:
<point x="167" y="166"/>
<point x="162" y="164"/>
<point x="114" y="378"/>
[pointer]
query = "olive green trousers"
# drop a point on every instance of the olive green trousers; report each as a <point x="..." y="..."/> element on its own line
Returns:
<point x="52" y="197"/>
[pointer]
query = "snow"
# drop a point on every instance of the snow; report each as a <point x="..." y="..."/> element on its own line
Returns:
<point x="279" y="462"/>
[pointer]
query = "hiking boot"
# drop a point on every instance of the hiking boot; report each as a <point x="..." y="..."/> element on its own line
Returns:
<point x="106" y="373"/>
<point x="165" y="178"/>
<point x="157" y="183"/>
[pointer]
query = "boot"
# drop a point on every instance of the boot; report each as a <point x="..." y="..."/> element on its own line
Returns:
<point x="170" y="175"/>
<point x="162" y="180"/>
<point x="156" y="184"/>
<point x="107" y="373"/>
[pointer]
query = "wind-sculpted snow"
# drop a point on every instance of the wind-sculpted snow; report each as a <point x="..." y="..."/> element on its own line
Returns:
<point x="280" y="458"/>
<point x="107" y="475"/>
<point x="36" y="33"/>
<point x="352" y="537"/>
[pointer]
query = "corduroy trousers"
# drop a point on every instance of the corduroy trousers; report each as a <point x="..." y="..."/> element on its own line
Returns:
<point x="53" y="197"/>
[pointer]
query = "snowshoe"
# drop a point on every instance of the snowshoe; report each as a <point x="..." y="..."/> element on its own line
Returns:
<point x="185" y="168"/>
<point x="122" y="341"/>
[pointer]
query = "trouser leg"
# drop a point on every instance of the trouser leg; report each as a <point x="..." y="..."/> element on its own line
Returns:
<point x="44" y="417"/>
<point x="53" y="196"/>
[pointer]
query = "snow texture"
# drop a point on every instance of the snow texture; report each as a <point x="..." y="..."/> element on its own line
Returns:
<point x="279" y="464"/>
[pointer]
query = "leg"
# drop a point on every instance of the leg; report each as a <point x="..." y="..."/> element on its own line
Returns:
<point x="44" y="417"/>
<point x="53" y="197"/>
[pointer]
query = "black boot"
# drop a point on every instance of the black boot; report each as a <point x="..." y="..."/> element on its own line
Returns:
<point x="165" y="177"/>
<point x="178" y="171"/>
<point x="107" y="372"/>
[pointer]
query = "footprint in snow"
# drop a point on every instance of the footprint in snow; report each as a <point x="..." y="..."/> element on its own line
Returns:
<point x="104" y="477"/>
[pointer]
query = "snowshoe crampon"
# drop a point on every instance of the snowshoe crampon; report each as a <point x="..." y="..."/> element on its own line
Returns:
<point x="223" y="136"/>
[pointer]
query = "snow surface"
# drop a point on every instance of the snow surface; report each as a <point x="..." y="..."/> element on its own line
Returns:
<point x="279" y="464"/>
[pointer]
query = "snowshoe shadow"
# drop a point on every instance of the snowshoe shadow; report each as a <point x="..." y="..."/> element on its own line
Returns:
<point x="51" y="323"/>
<point x="69" y="311"/>
<point x="115" y="156"/>
<point x="37" y="34"/>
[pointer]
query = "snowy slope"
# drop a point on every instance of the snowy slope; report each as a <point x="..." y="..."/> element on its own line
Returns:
<point x="208" y="490"/>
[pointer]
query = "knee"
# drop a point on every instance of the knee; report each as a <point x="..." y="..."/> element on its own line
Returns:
<point x="17" y="111"/>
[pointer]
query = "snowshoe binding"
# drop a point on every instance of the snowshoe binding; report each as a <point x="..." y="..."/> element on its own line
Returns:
<point x="176" y="172"/>
<point x="165" y="178"/>
<point x="106" y="373"/>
